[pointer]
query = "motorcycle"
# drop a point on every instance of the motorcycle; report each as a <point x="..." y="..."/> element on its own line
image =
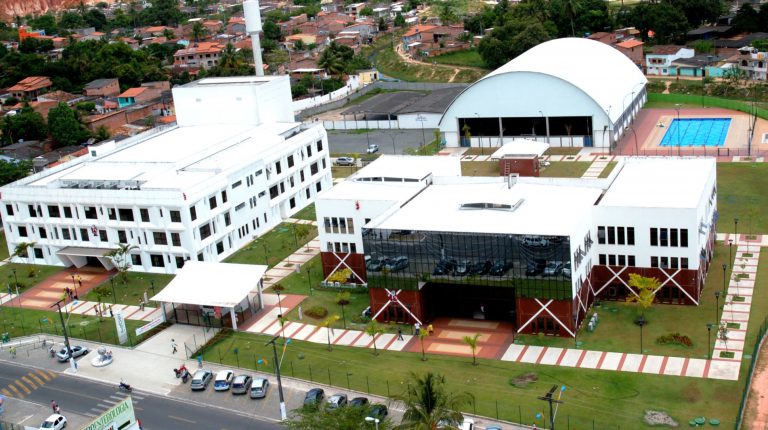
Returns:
<point x="182" y="373"/>
<point x="125" y="387"/>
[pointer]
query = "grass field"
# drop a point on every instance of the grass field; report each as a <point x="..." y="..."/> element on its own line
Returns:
<point x="343" y="171"/>
<point x="3" y="246"/>
<point x="740" y="194"/>
<point x="479" y="168"/>
<point x="431" y="148"/>
<point x="272" y="247"/>
<point x="608" y="169"/>
<point x="130" y="292"/>
<point x="466" y="58"/>
<point x="562" y="151"/>
<point x="565" y="169"/>
<point x="307" y="213"/>
<point x="22" y="274"/>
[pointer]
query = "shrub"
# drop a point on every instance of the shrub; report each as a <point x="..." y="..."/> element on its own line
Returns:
<point x="523" y="380"/>
<point x="675" y="339"/>
<point x="316" y="312"/>
<point x="278" y="287"/>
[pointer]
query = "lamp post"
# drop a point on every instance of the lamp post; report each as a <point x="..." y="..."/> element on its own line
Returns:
<point x="709" y="340"/>
<point x="152" y="284"/>
<point x="16" y="285"/>
<point x="373" y="420"/>
<point x="112" y="284"/>
<point x="283" y="412"/>
<point x="717" y="305"/>
<point x="66" y="338"/>
<point x="343" y="316"/>
<point x="279" y="305"/>
<point x="641" y="323"/>
<point x="725" y="288"/>
<point x="730" y="251"/>
<point x="677" y="108"/>
<point x="266" y="256"/>
<point x="309" y="280"/>
<point x="736" y="230"/>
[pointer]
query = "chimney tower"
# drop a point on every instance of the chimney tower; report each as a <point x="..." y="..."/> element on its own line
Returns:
<point x="252" y="12"/>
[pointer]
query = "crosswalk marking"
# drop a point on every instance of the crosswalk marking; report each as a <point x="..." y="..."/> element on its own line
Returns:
<point x="6" y="392"/>
<point x="36" y="379"/>
<point x="16" y="391"/>
<point x="29" y="381"/>
<point x="45" y="375"/>
<point x="22" y="386"/>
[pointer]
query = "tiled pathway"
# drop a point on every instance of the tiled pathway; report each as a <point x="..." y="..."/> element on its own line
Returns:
<point x="596" y="168"/>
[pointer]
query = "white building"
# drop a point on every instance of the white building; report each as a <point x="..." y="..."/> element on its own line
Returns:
<point x="536" y="250"/>
<point x="566" y="92"/>
<point x="659" y="60"/>
<point x="234" y="166"/>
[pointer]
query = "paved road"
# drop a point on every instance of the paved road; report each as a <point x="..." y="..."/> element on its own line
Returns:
<point x="89" y="399"/>
<point x="341" y="142"/>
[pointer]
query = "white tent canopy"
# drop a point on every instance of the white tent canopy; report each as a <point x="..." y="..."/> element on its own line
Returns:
<point x="521" y="147"/>
<point x="213" y="284"/>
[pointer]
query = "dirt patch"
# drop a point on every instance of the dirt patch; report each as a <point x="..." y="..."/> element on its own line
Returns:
<point x="756" y="412"/>
<point x="659" y="418"/>
<point x="524" y="380"/>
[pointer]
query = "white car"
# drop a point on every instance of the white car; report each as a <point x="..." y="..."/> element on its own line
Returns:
<point x="223" y="380"/>
<point x="54" y="422"/>
<point x="372" y="148"/>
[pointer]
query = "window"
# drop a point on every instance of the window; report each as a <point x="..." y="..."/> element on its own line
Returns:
<point x="121" y="236"/>
<point x="309" y="150"/>
<point x="292" y="202"/>
<point x="350" y="226"/>
<point x="193" y="213"/>
<point x="205" y="231"/>
<point x="200" y="257"/>
<point x="43" y="233"/>
<point x="353" y="248"/>
<point x="307" y="193"/>
<point x="313" y="169"/>
<point x="258" y="173"/>
<point x="290" y="161"/>
<point x="227" y="219"/>
<point x="103" y="236"/>
<point x="65" y="234"/>
<point x="53" y="211"/>
<point x="125" y="214"/>
<point x="622" y="260"/>
<point x="654" y="237"/>
<point x="278" y="168"/>
<point x="601" y="235"/>
<point x="9" y="209"/>
<point x="175" y="239"/>
<point x="179" y="262"/>
<point x="620" y="236"/>
<point x="84" y="234"/>
<point x="22" y="231"/>
<point x="237" y="184"/>
<point x="67" y="212"/>
<point x="664" y="262"/>
<point x="291" y="180"/>
<point x="672" y="237"/>
<point x="112" y="213"/>
<point x="144" y="215"/>
<point x="663" y="237"/>
<point x="90" y="212"/>
<point x="684" y="237"/>
<point x="630" y="236"/>
<point x="611" y="260"/>
<point x="673" y="262"/>
<point x="223" y="197"/>
<point x="212" y="202"/>
<point x="136" y="259"/>
<point x="160" y="238"/>
<point x="319" y="145"/>
<point x="630" y="260"/>
<point x="324" y="165"/>
<point x="683" y="263"/>
<point x="38" y="252"/>
<point x="318" y="187"/>
<point x="654" y="261"/>
<point x="175" y="216"/>
<point x="301" y="176"/>
<point x="262" y="194"/>
<point x="157" y="260"/>
<point x="611" y="235"/>
<point x="273" y="192"/>
<point x="240" y="206"/>
<point x="219" y="247"/>
<point x="32" y="211"/>
<point x="601" y="259"/>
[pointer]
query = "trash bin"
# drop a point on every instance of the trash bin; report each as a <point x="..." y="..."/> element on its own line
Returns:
<point x="6" y="337"/>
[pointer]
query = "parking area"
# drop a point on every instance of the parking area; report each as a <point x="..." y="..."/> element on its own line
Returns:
<point x="389" y="141"/>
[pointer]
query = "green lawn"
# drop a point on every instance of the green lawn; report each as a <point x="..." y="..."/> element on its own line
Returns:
<point x="431" y="148"/>
<point x="562" y="151"/>
<point x="272" y="247"/>
<point x="3" y="246"/>
<point x="565" y="169"/>
<point x="23" y="272"/>
<point x="343" y="171"/>
<point x="740" y="194"/>
<point x="479" y="168"/>
<point x="23" y="322"/>
<point x="608" y="169"/>
<point x="132" y="291"/>
<point x="485" y="150"/>
<point x="307" y="213"/>
<point x="466" y="58"/>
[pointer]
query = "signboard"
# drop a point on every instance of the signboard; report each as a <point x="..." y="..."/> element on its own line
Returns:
<point x="149" y="326"/>
<point x="122" y="332"/>
<point x="121" y="416"/>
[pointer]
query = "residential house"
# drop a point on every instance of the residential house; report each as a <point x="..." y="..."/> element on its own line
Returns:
<point x="633" y="49"/>
<point x="60" y="97"/>
<point x="753" y="63"/>
<point x="30" y="87"/>
<point x="236" y="25"/>
<point x="213" y="27"/>
<point x="135" y="95"/>
<point x="366" y="29"/>
<point x="429" y="41"/>
<point x="659" y="60"/>
<point x="25" y="33"/>
<point x="203" y="55"/>
<point x="354" y="9"/>
<point x="287" y="27"/>
<point x="603" y="37"/>
<point x="156" y="30"/>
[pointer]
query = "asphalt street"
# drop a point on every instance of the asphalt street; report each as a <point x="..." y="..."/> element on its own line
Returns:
<point x="87" y="399"/>
<point x="389" y="141"/>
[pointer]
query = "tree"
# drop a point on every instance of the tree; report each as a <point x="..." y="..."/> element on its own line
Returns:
<point x="298" y="45"/>
<point x="645" y="292"/>
<point x="198" y="30"/>
<point x="428" y="403"/>
<point x="169" y="34"/>
<point x="21" y="250"/>
<point x="102" y="133"/>
<point x="327" y="324"/>
<point x="330" y="62"/>
<point x="422" y="335"/>
<point x="65" y="126"/>
<point x="101" y="292"/>
<point x="271" y="30"/>
<point x="667" y="22"/>
<point x="747" y="20"/>
<point x="121" y="258"/>
<point x="366" y="11"/>
<point x="471" y="341"/>
<point x="11" y="171"/>
<point x="570" y="8"/>
<point x="165" y="12"/>
<point x="399" y="20"/>
<point x="722" y="334"/>
<point x="373" y="330"/>
<point x="382" y="24"/>
<point x="71" y="20"/>
<point x="96" y="19"/>
<point x="349" y="418"/>
<point x="27" y="124"/>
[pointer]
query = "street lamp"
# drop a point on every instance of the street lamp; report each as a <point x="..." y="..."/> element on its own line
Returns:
<point x="309" y="280"/>
<point x="725" y="289"/>
<point x="66" y="338"/>
<point x="709" y="339"/>
<point x="373" y="420"/>
<point x="343" y="316"/>
<point x="279" y="305"/>
<point x="283" y="413"/>
<point x="641" y="323"/>
<point x="266" y="256"/>
<point x="730" y="251"/>
<point x="717" y="305"/>
<point x="112" y="283"/>
<point x="736" y="230"/>
<point x="677" y="108"/>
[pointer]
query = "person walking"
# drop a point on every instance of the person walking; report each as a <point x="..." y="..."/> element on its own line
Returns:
<point x="96" y="309"/>
<point x="12" y="349"/>
<point x="416" y="329"/>
<point x="80" y="281"/>
<point x="430" y="329"/>
<point x="54" y="406"/>
<point x="400" y="333"/>
<point x="173" y="346"/>
<point x="111" y="315"/>
<point x="141" y="304"/>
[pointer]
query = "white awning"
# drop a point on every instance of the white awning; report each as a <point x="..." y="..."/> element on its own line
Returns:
<point x="81" y="251"/>
<point x="521" y="147"/>
<point x="212" y="284"/>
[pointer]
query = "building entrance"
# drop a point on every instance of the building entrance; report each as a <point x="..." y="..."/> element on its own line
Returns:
<point x="469" y="301"/>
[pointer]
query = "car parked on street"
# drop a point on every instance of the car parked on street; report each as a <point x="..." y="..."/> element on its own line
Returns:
<point x="314" y="397"/>
<point x="77" y="351"/>
<point x="372" y="148"/>
<point x="223" y="380"/>
<point x="535" y="267"/>
<point x="240" y="384"/>
<point x="345" y="161"/>
<point x="359" y="402"/>
<point x="378" y="411"/>
<point x="54" y="422"/>
<point x="337" y="401"/>
<point x="553" y="268"/>
<point x="480" y="268"/>
<point x="258" y="388"/>
<point x="499" y="268"/>
<point x="375" y="264"/>
<point x="200" y="379"/>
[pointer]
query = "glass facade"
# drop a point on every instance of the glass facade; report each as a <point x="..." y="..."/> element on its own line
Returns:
<point x="531" y="265"/>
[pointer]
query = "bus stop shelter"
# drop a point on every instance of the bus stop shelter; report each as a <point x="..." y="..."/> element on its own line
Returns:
<point x="203" y="292"/>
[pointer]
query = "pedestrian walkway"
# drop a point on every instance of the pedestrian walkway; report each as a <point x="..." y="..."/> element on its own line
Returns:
<point x="82" y="307"/>
<point x="52" y="289"/>
<point x="596" y="168"/>
<point x="292" y="263"/>
<point x="300" y="221"/>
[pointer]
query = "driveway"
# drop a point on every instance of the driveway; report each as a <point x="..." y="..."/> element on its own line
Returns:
<point x="389" y="141"/>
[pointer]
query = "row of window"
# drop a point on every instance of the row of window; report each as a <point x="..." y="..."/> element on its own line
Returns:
<point x="616" y="260"/>
<point x="669" y="262"/>
<point x="615" y="235"/>
<point x="674" y="237"/>
<point x="339" y="225"/>
<point x="67" y="233"/>
<point x="156" y="260"/>
<point x="341" y="247"/>
<point x="90" y="212"/>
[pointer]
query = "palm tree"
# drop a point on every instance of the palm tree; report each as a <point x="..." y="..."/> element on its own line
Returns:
<point x="101" y="292"/>
<point x="327" y="324"/>
<point x="121" y="258"/>
<point x="229" y="58"/>
<point x="422" y="334"/>
<point x="373" y="330"/>
<point x="22" y="250"/>
<point x="571" y="7"/>
<point x="330" y="62"/>
<point x="169" y="34"/>
<point x="471" y="341"/>
<point x="428" y="403"/>
<point x="198" y="30"/>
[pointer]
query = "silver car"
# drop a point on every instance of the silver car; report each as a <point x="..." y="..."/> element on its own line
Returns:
<point x="201" y="379"/>
<point x="240" y="384"/>
<point x="259" y="388"/>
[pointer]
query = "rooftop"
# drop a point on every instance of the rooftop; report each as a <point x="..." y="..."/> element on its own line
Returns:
<point x="99" y="83"/>
<point x="521" y="147"/>
<point x="629" y="44"/>
<point x="31" y="83"/>
<point x="666" y="49"/>
<point x="411" y="167"/>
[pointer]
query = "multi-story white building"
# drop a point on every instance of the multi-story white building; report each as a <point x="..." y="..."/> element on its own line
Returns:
<point x="536" y="251"/>
<point x="235" y="165"/>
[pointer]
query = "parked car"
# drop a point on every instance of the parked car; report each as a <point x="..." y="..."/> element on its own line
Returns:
<point x="314" y="397"/>
<point x="444" y="267"/>
<point x="396" y="264"/>
<point x="499" y="268"/>
<point x="259" y="388"/>
<point x="462" y="268"/>
<point x="535" y="267"/>
<point x="466" y="424"/>
<point x="375" y="264"/>
<point x="54" y="422"/>
<point x="567" y="270"/>
<point x="223" y="380"/>
<point x="359" y="401"/>
<point x="200" y="379"/>
<point x="345" y="161"/>
<point x="378" y="411"/>
<point x="372" y="148"/>
<point x="77" y="351"/>
<point x="480" y="268"/>
<point x="240" y="384"/>
<point x="553" y="268"/>
<point x="493" y="428"/>
<point x="534" y="241"/>
<point x="337" y="401"/>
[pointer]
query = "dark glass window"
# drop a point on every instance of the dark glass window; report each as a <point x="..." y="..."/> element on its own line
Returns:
<point x="630" y="235"/>
<point x="683" y="263"/>
<point x="684" y="237"/>
<point x="273" y="192"/>
<point x="205" y="231"/>
<point x="175" y="239"/>
<point x="290" y="161"/>
<point x="53" y="211"/>
<point x="32" y="211"/>
<point x="212" y="202"/>
<point x="654" y="261"/>
<point x="84" y="234"/>
<point x="65" y="234"/>
<point x="611" y="260"/>
<point x="38" y="252"/>
<point x="227" y="219"/>
<point x="601" y="235"/>
<point x="103" y="236"/>
<point x="157" y="260"/>
<point x="219" y="247"/>
<point x="631" y="260"/>
<point x="309" y="150"/>
<point x="611" y="235"/>
<point x="121" y="236"/>
<point x="278" y="168"/>
<point x="654" y="237"/>
<point x="672" y="237"/>
<point x="193" y="213"/>
<point x="319" y="145"/>
<point x="22" y="231"/>
<point x="175" y="216"/>
<point x="136" y="259"/>
<point x="90" y="212"/>
<point x="313" y="169"/>
<point x="620" y="237"/>
<point x="125" y="214"/>
<point x="144" y="214"/>
<point x="179" y="262"/>
<point x="663" y="237"/>
<point x="67" y="212"/>
<point x="160" y="238"/>
<point x="9" y="208"/>
<point x="43" y="233"/>
<point x="223" y="196"/>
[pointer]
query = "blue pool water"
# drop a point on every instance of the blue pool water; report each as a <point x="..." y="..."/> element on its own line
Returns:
<point x="696" y="132"/>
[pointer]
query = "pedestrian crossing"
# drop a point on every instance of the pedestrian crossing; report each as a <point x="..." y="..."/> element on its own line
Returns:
<point x="106" y="404"/>
<point x="26" y="384"/>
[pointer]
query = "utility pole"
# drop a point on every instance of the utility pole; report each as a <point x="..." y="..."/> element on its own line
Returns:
<point x="66" y="338"/>
<point x="550" y="399"/>
<point x="283" y="413"/>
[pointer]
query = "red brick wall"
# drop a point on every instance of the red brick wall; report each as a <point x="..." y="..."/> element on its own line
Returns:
<point x="527" y="308"/>
<point x="521" y="166"/>
<point x="411" y="298"/>
<point x="688" y="279"/>
<point x="356" y="262"/>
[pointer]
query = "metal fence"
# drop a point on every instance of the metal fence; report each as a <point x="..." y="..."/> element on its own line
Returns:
<point x="707" y="101"/>
<point x="753" y="362"/>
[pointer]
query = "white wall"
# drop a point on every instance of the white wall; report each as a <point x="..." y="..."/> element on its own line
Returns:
<point x="369" y="209"/>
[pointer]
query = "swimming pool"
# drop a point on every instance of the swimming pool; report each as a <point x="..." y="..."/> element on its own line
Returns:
<point x="696" y="132"/>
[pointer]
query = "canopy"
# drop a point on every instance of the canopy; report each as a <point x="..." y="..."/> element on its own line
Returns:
<point x="212" y="284"/>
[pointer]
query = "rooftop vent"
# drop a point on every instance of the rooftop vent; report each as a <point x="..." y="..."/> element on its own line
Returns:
<point x="493" y="206"/>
